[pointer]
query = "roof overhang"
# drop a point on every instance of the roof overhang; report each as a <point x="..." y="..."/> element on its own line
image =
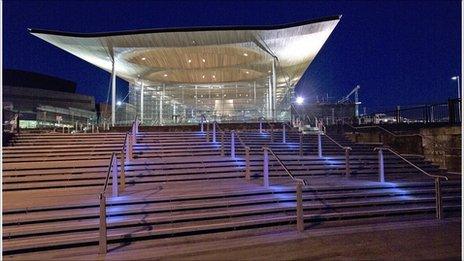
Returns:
<point x="201" y="55"/>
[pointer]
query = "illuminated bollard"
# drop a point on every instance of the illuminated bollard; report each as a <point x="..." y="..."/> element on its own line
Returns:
<point x="319" y="144"/>
<point x="260" y="126"/>
<point x="438" y="199"/>
<point x="381" y="167"/>
<point x="214" y="131"/>
<point x="207" y="132"/>
<point x="201" y="124"/>
<point x="284" y="139"/>
<point x="232" y="144"/>
<point x="266" y="168"/>
<point x="129" y="148"/>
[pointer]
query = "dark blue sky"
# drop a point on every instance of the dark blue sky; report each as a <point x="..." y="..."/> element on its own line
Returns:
<point x="400" y="52"/>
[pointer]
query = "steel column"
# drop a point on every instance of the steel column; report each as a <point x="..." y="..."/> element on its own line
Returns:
<point x="113" y="94"/>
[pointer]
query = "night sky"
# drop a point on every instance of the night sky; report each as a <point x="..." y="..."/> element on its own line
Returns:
<point x="400" y="52"/>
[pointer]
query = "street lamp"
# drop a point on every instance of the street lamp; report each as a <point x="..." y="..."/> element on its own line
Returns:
<point x="456" y="78"/>
<point x="299" y="100"/>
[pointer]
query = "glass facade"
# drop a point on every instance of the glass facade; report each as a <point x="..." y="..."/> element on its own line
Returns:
<point x="171" y="104"/>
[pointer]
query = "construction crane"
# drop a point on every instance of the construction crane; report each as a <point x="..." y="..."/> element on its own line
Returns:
<point x="356" y="100"/>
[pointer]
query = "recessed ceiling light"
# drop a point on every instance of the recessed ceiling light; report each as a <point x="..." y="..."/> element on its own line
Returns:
<point x="165" y="75"/>
<point x="269" y="71"/>
<point x="189" y="61"/>
<point x="143" y="58"/>
<point x="203" y="60"/>
<point x="203" y="76"/>
<point x="247" y="72"/>
<point x="214" y="76"/>
<point x="245" y="54"/>
<point x="194" y="42"/>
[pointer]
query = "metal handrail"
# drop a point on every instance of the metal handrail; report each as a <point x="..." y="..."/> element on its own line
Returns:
<point x="113" y="155"/>
<point x="410" y="163"/>
<point x="336" y="143"/>
<point x="284" y="167"/>
<point x="241" y="141"/>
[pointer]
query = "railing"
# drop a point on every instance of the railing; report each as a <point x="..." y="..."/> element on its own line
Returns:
<point x="125" y="155"/>
<point x="270" y="125"/>
<point x="113" y="170"/>
<point x="216" y="128"/>
<point x="299" y="185"/>
<point x="247" y="152"/>
<point x="438" y="198"/>
<point x="347" y="150"/>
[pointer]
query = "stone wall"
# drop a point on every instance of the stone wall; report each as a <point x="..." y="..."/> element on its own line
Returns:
<point x="443" y="146"/>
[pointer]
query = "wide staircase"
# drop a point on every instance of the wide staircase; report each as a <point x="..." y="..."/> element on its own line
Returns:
<point x="182" y="184"/>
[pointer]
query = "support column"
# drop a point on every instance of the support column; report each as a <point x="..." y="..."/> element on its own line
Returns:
<point x="274" y="89"/>
<point x="269" y="98"/>
<point x="161" y="107"/>
<point x="141" y="102"/>
<point x="113" y="95"/>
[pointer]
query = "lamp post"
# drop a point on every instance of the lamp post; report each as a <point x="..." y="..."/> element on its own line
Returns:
<point x="456" y="78"/>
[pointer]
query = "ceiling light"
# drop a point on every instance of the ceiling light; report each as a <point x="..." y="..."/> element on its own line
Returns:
<point x="245" y="54"/>
<point x="214" y="76"/>
<point x="247" y="72"/>
<point x="269" y="71"/>
<point x="203" y="60"/>
<point x="189" y="61"/>
<point x="143" y="58"/>
<point x="203" y="76"/>
<point x="118" y="103"/>
<point x="165" y="75"/>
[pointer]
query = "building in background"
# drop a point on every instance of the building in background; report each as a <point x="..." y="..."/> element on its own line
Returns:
<point x="229" y="74"/>
<point x="44" y="101"/>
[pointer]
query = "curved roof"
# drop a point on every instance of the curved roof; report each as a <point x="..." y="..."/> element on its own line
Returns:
<point x="201" y="55"/>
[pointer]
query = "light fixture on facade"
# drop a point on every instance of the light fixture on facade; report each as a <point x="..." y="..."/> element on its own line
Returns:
<point x="118" y="103"/>
<point x="299" y="100"/>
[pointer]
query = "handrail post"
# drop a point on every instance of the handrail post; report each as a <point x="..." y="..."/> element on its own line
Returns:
<point x="260" y="125"/>
<point x="201" y="124"/>
<point x="123" y="171"/>
<point x="301" y="144"/>
<point x="232" y="144"/>
<point x="266" y="168"/>
<point x="247" y="162"/>
<point x="93" y="128"/>
<point x="381" y="166"/>
<point x="207" y="132"/>
<point x="319" y="144"/>
<point x="114" y="176"/>
<point x="222" y="144"/>
<point x="299" y="207"/>
<point x="438" y="199"/>
<point x="214" y="131"/>
<point x="272" y="133"/>
<point x="102" y="244"/>
<point x="347" y="161"/>
<point x="129" y="148"/>
<point x="283" y="134"/>
<point x="134" y="135"/>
